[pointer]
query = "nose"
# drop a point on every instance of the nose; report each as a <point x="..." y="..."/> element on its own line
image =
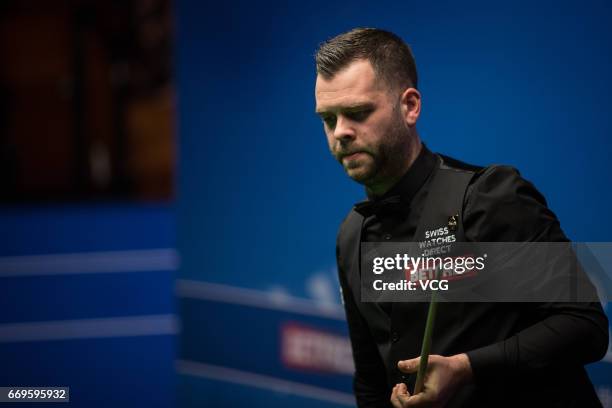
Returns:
<point x="343" y="131"/>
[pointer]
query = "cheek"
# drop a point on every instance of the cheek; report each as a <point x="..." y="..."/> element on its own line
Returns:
<point x="369" y="136"/>
<point x="330" y="139"/>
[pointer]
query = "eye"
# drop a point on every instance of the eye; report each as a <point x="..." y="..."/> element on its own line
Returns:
<point x="359" y="116"/>
<point x="329" y="120"/>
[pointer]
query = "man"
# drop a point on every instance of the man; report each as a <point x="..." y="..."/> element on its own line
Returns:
<point x="483" y="354"/>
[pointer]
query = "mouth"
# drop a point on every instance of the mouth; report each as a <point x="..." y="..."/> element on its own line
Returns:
<point x="352" y="156"/>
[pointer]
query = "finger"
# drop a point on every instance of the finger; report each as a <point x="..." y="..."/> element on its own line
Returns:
<point x="404" y="400"/>
<point x="415" y="401"/>
<point x="408" y="366"/>
<point x="401" y="395"/>
<point x="402" y="389"/>
<point x="395" y="401"/>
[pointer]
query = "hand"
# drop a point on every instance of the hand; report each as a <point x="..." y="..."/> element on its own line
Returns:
<point x="443" y="377"/>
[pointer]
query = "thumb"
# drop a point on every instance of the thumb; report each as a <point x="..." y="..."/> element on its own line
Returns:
<point x="409" y="366"/>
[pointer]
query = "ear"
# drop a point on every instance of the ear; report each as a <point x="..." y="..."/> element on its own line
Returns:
<point x="410" y="104"/>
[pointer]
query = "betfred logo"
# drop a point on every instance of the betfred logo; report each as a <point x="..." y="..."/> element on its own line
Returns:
<point x="309" y="349"/>
<point x="449" y="268"/>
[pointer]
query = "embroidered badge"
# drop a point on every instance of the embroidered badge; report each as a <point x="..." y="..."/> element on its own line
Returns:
<point x="452" y="222"/>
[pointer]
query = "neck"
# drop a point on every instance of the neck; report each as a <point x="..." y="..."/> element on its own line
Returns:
<point x="377" y="189"/>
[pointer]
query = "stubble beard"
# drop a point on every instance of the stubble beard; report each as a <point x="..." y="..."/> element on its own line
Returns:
<point x="384" y="161"/>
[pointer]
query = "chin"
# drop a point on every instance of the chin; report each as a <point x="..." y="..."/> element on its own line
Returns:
<point x="360" y="170"/>
<point x="359" y="175"/>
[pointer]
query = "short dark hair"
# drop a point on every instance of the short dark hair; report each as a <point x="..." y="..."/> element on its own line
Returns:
<point x="389" y="55"/>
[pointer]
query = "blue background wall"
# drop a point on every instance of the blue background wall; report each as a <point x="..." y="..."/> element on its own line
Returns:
<point x="260" y="199"/>
<point x="521" y="83"/>
<point x="86" y="294"/>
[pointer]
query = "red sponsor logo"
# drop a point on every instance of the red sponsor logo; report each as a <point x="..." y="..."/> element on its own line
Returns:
<point x="309" y="349"/>
<point x="435" y="268"/>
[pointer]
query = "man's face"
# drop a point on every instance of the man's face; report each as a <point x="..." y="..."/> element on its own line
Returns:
<point x="363" y="123"/>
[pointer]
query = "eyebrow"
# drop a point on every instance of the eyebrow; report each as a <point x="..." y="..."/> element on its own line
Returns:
<point x="346" y="108"/>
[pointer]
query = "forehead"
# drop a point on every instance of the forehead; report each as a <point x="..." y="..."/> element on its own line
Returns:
<point x="354" y="85"/>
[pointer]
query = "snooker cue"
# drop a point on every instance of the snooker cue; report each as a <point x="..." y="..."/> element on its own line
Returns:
<point x="431" y="317"/>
